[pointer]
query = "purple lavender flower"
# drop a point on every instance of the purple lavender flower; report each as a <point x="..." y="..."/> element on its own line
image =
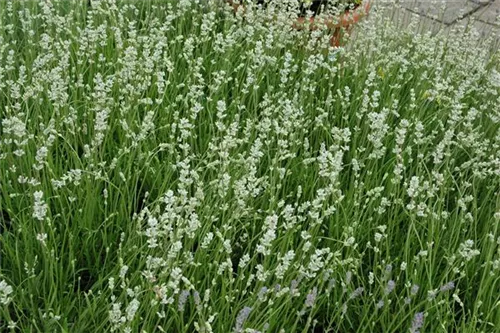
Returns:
<point x="262" y="293"/>
<point x="387" y="271"/>
<point x="356" y="293"/>
<point x="241" y="318"/>
<point x="311" y="297"/>
<point x="182" y="300"/>
<point x="380" y="304"/>
<point x="293" y="286"/>
<point x="414" y="289"/>
<point x="196" y="296"/>
<point x="331" y="284"/>
<point x="447" y="287"/>
<point x="390" y="287"/>
<point x="418" y="322"/>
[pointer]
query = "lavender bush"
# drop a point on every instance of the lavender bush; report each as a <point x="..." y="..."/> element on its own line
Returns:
<point x="171" y="166"/>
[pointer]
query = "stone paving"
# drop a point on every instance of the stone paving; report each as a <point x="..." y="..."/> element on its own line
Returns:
<point x="436" y="15"/>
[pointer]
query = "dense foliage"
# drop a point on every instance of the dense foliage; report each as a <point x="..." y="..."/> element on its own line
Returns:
<point x="171" y="166"/>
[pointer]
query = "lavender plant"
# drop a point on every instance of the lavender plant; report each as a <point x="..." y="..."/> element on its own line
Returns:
<point x="171" y="166"/>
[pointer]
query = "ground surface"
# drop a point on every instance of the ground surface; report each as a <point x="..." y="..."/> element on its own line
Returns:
<point x="437" y="15"/>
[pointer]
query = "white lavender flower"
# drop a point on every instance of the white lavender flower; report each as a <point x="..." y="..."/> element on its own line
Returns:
<point x="5" y="293"/>
<point x="269" y="229"/>
<point x="131" y="309"/>
<point x="40" y="207"/>
<point x="467" y="251"/>
<point x="115" y="316"/>
<point x="123" y="271"/>
<point x="283" y="266"/>
<point x="42" y="237"/>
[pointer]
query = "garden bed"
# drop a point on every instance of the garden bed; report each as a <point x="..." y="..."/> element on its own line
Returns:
<point x="169" y="166"/>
